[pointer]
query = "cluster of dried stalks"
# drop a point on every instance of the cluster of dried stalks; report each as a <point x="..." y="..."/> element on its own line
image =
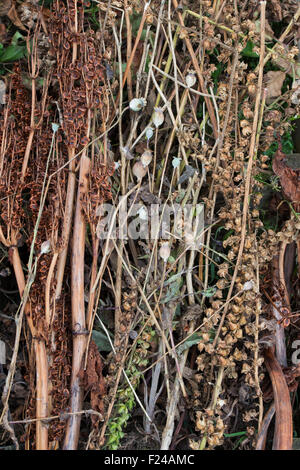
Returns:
<point x="187" y="120"/>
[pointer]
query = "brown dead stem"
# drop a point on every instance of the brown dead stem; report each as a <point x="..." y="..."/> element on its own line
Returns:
<point x="283" y="438"/>
<point x="199" y="74"/>
<point x="34" y="75"/>
<point x="252" y="152"/>
<point x="78" y="309"/>
<point x="262" y="436"/>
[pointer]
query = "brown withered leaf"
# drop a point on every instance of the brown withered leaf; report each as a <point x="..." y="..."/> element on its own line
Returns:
<point x="14" y="18"/>
<point x="275" y="81"/>
<point x="276" y="10"/>
<point x="287" y="168"/>
<point x="5" y="6"/>
<point x="94" y="381"/>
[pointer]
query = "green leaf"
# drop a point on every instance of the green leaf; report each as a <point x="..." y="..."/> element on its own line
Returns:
<point x="173" y="278"/>
<point x="11" y="53"/>
<point x="236" y="434"/>
<point x="101" y="341"/>
<point x="173" y="290"/>
<point x="194" y="339"/>
<point x="248" y="50"/>
<point x="16" y="38"/>
<point x="296" y="443"/>
<point x="209" y="292"/>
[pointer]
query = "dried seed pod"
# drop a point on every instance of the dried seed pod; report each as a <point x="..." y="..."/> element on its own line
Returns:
<point x="165" y="251"/>
<point x="45" y="247"/>
<point x="158" y="117"/>
<point x="139" y="170"/>
<point x="190" y="79"/>
<point x="146" y="158"/>
<point x="136" y="104"/>
<point x="149" y="133"/>
<point x="143" y="214"/>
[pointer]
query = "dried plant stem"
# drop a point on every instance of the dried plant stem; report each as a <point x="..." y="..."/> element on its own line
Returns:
<point x="48" y="288"/>
<point x="284" y="34"/>
<point x="199" y="74"/>
<point x="137" y="40"/>
<point x="129" y="48"/>
<point x="92" y="294"/>
<point x="78" y="309"/>
<point x="41" y="394"/>
<point x="39" y="343"/>
<point x="276" y="308"/>
<point x="171" y="409"/>
<point x="34" y="72"/>
<point x="68" y="215"/>
<point x="256" y="351"/>
<point x="262" y="435"/>
<point x="41" y="358"/>
<point x="252" y="153"/>
<point x="283" y="438"/>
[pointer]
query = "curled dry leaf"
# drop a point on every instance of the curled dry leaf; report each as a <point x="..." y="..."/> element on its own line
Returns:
<point x="283" y="438"/>
<point x="94" y="381"/>
<point x="274" y="83"/>
<point x="14" y="18"/>
<point x="287" y="168"/>
<point x="296" y="94"/>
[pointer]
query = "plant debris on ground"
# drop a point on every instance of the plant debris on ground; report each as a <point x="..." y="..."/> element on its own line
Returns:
<point x="149" y="224"/>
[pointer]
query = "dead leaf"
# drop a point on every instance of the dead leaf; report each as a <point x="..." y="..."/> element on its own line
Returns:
<point x="94" y="381"/>
<point x="13" y="16"/>
<point x="5" y="6"/>
<point x="287" y="168"/>
<point x="276" y="8"/>
<point x="283" y="438"/>
<point x="274" y="83"/>
<point x="296" y="94"/>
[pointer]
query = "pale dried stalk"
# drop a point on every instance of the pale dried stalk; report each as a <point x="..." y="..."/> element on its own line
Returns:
<point x="199" y="74"/>
<point x="68" y="215"/>
<point x="34" y="74"/>
<point x="41" y="394"/>
<point x="252" y="152"/>
<point x="138" y="37"/>
<point x="78" y="309"/>
<point x="262" y="436"/>
<point x="278" y="304"/>
<point x="41" y="358"/>
<point x="256" y="351"/>
<point x="283" y="438"/>
<point x="48" y="288"/>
